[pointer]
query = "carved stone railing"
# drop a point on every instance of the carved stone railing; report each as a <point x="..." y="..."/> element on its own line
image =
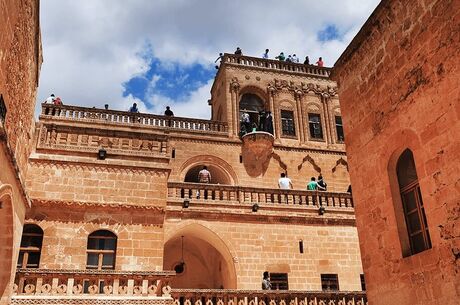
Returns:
<point x="266" y="297"/>
<point x="262" y="196"/>
<point x="91" y="283"/>
<point x="128" y="118"/>
<point x="276" y="65"/>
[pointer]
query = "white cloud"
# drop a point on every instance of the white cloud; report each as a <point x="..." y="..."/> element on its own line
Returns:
<point x="92" y="47"/>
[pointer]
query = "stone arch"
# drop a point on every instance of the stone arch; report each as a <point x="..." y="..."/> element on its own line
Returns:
<point x="314" y="107"/>
<point x="340" y="176"/>
<point x="6" y="240"/>
<point x="219" y="168"/>
<point x="257" y="94"/>
<point x="200" y="244"/>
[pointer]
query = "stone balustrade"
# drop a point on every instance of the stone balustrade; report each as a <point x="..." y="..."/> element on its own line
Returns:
<point x="76" y="113"/>
<point x="262" y="196"/>
<point x="266" y="297"/>
<point x="276" y="65"/>
<point x="95" y="283"/>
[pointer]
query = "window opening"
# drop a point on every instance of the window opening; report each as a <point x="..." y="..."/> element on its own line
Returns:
<point x="314" y="123"/>
<point x="287" y="123"/>
<point x="329" y="282"/>
<point x="101" y="250"/>
<point x="31" y="246"/>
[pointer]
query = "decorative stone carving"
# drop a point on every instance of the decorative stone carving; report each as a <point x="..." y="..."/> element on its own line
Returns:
<point x="234" y="84"/>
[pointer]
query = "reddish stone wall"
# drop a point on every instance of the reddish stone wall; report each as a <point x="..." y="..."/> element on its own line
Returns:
<point x="20" y="58"/>
<point x="399" y="88"/>
<point x="97" y="184"/>
<point x="275" y="248"/>
<point x="139" y="235"/>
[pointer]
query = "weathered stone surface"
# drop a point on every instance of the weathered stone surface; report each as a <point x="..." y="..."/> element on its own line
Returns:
<point x="20" y="59"/>
<point x="399" y="88"/>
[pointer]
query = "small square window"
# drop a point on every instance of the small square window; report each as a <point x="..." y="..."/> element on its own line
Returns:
<point x="279" y="281"/>
<point x="329" y="282"/>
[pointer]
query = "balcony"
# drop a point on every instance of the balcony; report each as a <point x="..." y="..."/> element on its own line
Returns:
<point x="266" y="297"/>
<point x="265" y="197"/>
<point x="43" y="286"/>
<point x="261" y="63"/>
<point x="124" y="118"/>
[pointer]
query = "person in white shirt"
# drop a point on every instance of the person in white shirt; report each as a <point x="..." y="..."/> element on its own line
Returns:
<point x="50" y="99"/>
<point x="265" y="55"/>
<point x="284" y="182"/>
<point x="294" y="58"/>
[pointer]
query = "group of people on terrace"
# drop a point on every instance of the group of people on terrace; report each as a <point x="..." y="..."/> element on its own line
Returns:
<point x="285" y="183"/>
<point x="281" y="57"/>
<point x="52" y="99"/>
<point x="265" y="122"/>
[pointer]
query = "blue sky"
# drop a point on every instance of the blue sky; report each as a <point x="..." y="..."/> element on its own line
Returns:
<point x="162" y="52"/>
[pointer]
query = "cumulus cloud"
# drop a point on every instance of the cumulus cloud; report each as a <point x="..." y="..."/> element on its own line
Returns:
<point x="92" y="48"/>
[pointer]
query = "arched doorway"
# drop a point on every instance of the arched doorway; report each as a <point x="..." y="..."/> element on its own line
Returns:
<point x="200" y="258"/>
<point x="252" y="104"/>
<point x="218" y="175"/>
<point x="6" y="241"/>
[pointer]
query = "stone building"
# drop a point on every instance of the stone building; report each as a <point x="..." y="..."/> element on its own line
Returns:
<point x="400" y="99"/>
<point x="117" y="208"/>
<point x="20" y="59"/>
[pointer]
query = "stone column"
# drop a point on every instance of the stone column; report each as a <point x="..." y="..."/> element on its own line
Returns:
<point x="299" y="98"/>
<point x="271" y="95"/>
<point x="234" y="117"/>
<point x="327" y="123"/>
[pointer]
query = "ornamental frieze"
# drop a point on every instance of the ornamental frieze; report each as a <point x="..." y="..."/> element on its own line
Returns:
<point x="88" y="140"/>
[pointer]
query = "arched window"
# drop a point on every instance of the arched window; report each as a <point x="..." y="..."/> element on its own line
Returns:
<point x="31" y="247"/>
<point x="411" y="197"/>
<point x="251" y="104"/>
<point x="101" y="250"/>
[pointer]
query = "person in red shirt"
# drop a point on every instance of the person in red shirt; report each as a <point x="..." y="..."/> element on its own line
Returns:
<point x="320" y="62"/>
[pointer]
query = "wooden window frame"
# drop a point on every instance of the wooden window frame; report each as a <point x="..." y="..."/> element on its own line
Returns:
<point x="101" y="252"/>
<point x="414" y="188"/>
<point x="310" y="135"/>
<point x="287" y="132"/>
<point x="337" y="126"/>
<point x="25" y="251"/>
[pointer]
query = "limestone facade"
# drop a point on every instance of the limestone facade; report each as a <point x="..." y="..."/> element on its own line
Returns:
<point x="20" y="59"/>
<point x="145" y="191"/>
<point x="399" y="93"/>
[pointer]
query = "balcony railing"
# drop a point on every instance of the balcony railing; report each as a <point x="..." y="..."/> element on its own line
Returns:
<point x="95" y="283"/>
<point x="262" y="196"/>
<point x="128" y="118"/>
<point x="266" y="297"/>
<point x="276" y="64"/>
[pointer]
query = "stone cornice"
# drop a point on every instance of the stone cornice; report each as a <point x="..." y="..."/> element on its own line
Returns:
<point x="265" y="214"/>
<point x="97" y="165"/>
<point x="37" y="202"/>
<point x="95" y="272"/>
<point x="79" y="300"/>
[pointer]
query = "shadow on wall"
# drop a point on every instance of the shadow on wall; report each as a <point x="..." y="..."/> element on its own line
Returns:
<point x="204" y="260"/>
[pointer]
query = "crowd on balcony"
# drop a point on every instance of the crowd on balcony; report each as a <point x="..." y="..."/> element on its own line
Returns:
<point x="265" y="123"/>
<point x="281" y="57"/>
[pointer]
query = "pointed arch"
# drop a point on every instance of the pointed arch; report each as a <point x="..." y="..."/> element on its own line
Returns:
<point x="340" y="161"/>
<point x="310" y="160"/>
